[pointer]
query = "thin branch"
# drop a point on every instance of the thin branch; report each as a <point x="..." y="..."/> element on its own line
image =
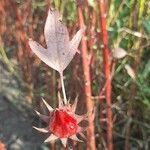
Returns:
<point x="107" y="71"/>
<point x="63" y="88"/>
<point x="87" y="80"/>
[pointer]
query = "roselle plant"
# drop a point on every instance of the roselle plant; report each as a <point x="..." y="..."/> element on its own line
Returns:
<point x="62" y="122"/>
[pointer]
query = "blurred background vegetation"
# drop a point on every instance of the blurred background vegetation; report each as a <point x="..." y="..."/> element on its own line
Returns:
<point x="24" y="79"/>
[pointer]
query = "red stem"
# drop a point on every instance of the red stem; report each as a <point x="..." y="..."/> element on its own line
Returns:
<point x="87" y="86"/>
<point x="23" y="46"/>
<point x="107" y="71"/>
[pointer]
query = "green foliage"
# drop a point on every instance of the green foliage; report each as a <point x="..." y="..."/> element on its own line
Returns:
<point x="143" y="83"/>
<point x="146" y="24"/>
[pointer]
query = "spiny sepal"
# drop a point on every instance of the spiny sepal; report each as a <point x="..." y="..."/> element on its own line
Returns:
<point x="62" y="122"/>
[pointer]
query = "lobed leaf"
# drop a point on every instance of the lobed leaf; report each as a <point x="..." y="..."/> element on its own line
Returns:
<point x="60" y="50"/>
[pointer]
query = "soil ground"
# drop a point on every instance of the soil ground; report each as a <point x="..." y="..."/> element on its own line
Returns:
<point x="16" y="130"/>
<point x="16" y="120"/>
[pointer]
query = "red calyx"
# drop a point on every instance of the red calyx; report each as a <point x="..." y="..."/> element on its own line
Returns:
<point x="62" y="124"/>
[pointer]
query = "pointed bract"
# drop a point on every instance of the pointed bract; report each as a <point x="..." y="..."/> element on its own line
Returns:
<point x="60" y="104"/>
<point x="81" y="118"/>
<point x="82" y="135"/>
<point x="51" y="138"/>
<point x="64" y="141"/>
<point x="74" y="106"/>
<point x="81" y="129"/>
<point x="43" y="117"/>
<point x="47" y="105"/>
<point x="44" y="130"/>
<point x="74" y="137"/>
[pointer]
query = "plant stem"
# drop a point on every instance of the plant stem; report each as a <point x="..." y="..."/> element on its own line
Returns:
<point x="63" y="88"/>
<point x="87" y="81"/>
<point x="21" y="37"/>
<point x="106" y="63"/>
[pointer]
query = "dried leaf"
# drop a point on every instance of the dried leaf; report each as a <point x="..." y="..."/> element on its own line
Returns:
<point x="73" y="47"/>
<point x="42" y="53"/>
<point x="119" y="53"/>
<point x="130" y="71"/>
<point x="60" y="50"/>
